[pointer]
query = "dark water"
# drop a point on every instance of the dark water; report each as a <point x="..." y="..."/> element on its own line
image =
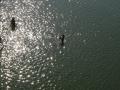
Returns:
<point x="32" y="58"/>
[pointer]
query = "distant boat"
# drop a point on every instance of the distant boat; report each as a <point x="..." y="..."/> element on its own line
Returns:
<point x="13" y="24"/>
<point x="62" y="37"/>
<point x="1" y="46"/>
<point x="0" y="40"/>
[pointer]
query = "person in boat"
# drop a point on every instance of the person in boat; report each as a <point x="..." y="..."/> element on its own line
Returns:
<point x="13" y="25"/>
<point x="1" y="46"/>
<point x="62" y="37"/>
<point x="0" y="40"/>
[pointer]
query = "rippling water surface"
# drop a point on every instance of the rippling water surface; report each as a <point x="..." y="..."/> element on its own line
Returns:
<point x="29" y="53"/>
<point x="32" y="58"/>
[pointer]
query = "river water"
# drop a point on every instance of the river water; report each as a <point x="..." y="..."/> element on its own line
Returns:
<point x="32" y="58"/>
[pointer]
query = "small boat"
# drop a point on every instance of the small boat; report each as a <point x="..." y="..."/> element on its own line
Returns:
<point x="1" y="46"/>
<point x="13" y="24"/>
<point x="62" y="37"/>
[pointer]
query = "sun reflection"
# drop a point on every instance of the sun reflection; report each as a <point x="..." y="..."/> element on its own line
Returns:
<point x="28" y="54"/>
<point x="8" y="88"/>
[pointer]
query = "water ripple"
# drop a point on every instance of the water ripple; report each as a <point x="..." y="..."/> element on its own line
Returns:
<point x="28" y="55"/>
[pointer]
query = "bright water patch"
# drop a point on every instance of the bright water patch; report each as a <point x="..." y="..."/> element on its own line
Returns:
<point x="28" y="57"/>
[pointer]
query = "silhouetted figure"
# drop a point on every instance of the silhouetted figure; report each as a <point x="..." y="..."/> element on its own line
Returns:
<point x="1" y="46"/>
<point x="0" y="40"/>
<point x="13" y="25"/>
<point x="62" y="37"/>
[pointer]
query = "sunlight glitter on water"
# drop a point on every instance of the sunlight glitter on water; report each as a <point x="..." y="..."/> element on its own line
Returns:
<point x="28" y="50"/>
